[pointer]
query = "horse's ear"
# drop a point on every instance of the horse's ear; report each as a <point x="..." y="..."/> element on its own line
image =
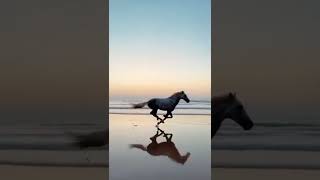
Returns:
<point x="182" y="92"/>
<point x="231" y="95"/>
<point x="234" y="94"/>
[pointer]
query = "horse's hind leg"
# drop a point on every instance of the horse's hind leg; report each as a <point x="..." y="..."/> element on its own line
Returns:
<point x="168" y="138"/>
<point x="154" y="113"/>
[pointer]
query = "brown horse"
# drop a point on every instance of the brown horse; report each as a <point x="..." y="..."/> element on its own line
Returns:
<point x="228" y="107"/>
<point x="166" y="148"/>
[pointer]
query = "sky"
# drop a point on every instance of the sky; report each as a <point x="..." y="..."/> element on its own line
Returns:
<point x="159" y="47"/>
<point x="53" y="60"/>
<point x="268" y="52"/>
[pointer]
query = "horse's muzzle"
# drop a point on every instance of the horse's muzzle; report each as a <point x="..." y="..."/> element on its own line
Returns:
<point x="248" y="126"/>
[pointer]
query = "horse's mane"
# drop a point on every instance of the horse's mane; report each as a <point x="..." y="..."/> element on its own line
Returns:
<point x="223" y="98"/>
<point x="176" y="94"/>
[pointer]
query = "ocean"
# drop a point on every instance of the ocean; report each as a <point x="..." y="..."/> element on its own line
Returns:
<point x="195" y="107"/>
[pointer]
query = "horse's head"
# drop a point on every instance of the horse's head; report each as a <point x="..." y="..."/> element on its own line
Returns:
<point x="183" y="96"/>
<point x="237" y="113"/>
<point x="184" y="158"/>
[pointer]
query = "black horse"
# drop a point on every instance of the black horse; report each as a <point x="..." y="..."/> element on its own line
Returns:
<point x="228" y="107"/>
<point x="165" y="104"/>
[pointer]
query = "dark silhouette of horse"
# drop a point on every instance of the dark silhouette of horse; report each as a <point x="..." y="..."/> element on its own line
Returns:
<point x="93" y="139"/>
<point x="166" y="148"/>
<point x="228" y="107"/>
<point x="165" y="104"/>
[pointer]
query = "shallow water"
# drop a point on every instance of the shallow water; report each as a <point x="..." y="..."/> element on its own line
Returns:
<point x="200" y="107"/>
<point x="268" y="136"/>
<point x="49" y="144"/>
<point x="271" y="145"/>
<point x="191" y="133"/>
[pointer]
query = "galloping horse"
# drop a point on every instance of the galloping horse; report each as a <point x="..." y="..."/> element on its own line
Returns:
<point x="165" y="104"/>
<point x="166" y="148"/>
<point x="228" y="107"/>
<point x="92" y="139"/>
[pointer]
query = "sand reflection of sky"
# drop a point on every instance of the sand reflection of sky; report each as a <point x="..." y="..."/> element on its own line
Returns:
<point x="190" y="134"/>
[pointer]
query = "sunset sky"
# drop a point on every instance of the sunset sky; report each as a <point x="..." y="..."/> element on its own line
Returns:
<point x="159" y="47"/>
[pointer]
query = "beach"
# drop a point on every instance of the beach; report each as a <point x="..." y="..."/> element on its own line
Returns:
<point x="31" y="172"/>
<point x="45" y="150"/>
<point x="269" y="151"/>
<point x="9" y="172"/>
<point x="190" y="135"/>
<point x="264" y="174"/>
<point x="265" y="165"/>
<point x="53" y="164"/>
<point x="273" y="150"/>
<point x="139" y="150"/>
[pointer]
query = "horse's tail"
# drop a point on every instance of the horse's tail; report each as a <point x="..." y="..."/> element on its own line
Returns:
<point x="140" y="105"/>
<point x="76" y="139"/>
<point x="138" y="146"/>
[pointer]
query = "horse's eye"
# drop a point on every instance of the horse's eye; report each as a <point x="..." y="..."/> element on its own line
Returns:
<point x="240" y="107"/>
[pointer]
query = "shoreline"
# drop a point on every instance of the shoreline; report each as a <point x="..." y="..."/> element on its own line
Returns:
<point x="160" y="113"/>
<point x="263" y="174"/>
<point x="53" y="173"/>
<point x="271" y="160"/>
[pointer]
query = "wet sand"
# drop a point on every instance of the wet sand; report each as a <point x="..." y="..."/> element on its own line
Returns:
<point x="264" y="174"/>
<point x="191" y="133"/>
<point x="52" y="173"/>
<point x="265" y="165"/>
<point x="53" y="164"/>
<point x="305" y="160"/>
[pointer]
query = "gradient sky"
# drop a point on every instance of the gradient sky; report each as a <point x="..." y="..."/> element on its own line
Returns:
<point x="159" y="47"/>
<point x="268" y="52"/>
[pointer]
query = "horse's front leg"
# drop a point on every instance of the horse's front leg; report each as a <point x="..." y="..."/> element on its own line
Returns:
<point x="162" y="132"/>
<point x="168" y="115"/>
<point x="159" y="130"/>
<point x="165" y="117"/>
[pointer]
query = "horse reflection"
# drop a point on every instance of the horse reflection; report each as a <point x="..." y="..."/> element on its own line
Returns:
<point x="166" y="148"/>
